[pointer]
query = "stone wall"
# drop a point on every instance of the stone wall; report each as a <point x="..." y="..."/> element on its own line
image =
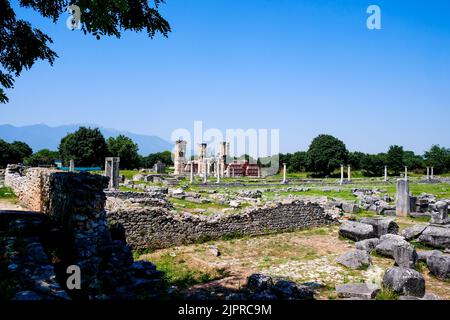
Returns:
<point x="28" y="184"/>
<point x="157" y="227"/>
<point x="75" y="205"/>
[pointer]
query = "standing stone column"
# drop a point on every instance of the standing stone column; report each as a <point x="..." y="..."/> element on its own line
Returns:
<point x="432" y="173"/>
<point x="342" y="174"/>
<point x="72" y="166"/>
<point x="192" y="173"/>
<point x="403" y="204"/>
<point x="349" y="173"/>
<point x="218" y="172"/>
<point x="112" y="171"/>
<point x="428" y="173"/>
<point x="385" y="173"/>
<point x="406" y="173"/>
<point x="205" y="174"/>
<point x="284" y="173"/>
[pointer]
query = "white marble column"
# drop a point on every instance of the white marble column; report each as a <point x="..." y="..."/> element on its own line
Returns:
<point x="72" y="165"/>
<point x="284" y="173"/>
<point x="428" y="173"/>
<point x="432" y="172"/>
<point x="342" y="174"/>
<point x="385" y="173"/>
<point x="192" y="172"/>
<point x="406" y="173"/>
<point x="218" y="172"/>
<point x="349" y="173"/>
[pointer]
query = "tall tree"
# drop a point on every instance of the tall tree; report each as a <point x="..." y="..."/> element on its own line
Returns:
<point x="86" y="146"/>
<point x="439" y="158"/>
<point x="21" y="45"/>
<point x="395" y="159"/>
<point x="126" y="149"/>
<point x="325" y="154"/>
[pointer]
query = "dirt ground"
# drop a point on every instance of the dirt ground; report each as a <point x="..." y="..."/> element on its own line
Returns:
<point x="9" y="205"/>
<point x="302" y="256"/>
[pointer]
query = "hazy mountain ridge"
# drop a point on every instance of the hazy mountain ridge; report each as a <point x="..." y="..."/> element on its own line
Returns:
<point x="41" y="136"/>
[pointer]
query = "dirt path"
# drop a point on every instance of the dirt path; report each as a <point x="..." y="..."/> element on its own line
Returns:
<point x="8" y="205"/>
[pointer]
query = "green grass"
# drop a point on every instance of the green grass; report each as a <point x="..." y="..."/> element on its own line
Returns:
<point x="440" y="190"/>
<point x="181" y="204"/>
<point x="7" y="193"/>
<point x="177" y="272"/>
<point x="386" y="294"/>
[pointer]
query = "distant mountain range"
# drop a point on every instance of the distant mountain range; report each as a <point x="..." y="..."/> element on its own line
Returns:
<point x="41" y="136"/>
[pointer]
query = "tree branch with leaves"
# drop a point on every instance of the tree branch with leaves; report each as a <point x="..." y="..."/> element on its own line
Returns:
<point x="21" y="45"/>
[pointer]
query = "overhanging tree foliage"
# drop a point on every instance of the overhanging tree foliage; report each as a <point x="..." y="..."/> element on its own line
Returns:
<point x="21" y="45"/>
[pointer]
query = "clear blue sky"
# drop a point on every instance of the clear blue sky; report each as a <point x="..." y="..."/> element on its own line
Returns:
<point x="303" y="66"/>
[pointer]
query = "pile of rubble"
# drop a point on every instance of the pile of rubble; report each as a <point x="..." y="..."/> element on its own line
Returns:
<point x="381" y="236"/>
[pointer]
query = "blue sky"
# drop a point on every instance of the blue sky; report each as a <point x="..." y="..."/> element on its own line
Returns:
<point x="303" y="66"/>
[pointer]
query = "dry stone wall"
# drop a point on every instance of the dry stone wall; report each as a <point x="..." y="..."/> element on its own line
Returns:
<point x="157" y="227"/>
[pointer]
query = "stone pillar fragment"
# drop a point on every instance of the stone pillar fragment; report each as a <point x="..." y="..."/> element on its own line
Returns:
<point x="112" y="171"/>
<point x="403" y="203"/>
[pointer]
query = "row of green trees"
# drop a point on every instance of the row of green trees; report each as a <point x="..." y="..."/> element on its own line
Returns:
<point x="326" y="154"/>
<point x="87" y="147"/>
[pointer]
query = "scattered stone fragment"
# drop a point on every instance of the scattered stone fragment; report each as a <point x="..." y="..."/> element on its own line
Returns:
<point x="356" y="231"/>
<point x="358" y="290"/>
<point x="368" y="245"/>
<point x="439" y="265"/>
<point x="381" y="226"/>
<point x="214" y="250"/>
<point x="405" y="255"/>
<point x="259" y="282"/>
<point x="404" y="281"/>
<point x="436" y="237"/>
<point x="288" y="290"/>
<point x="350" y="208"/>
<point x="355" y="259"/>
<point x="422" y="256"/>
<point x="413" y="232"/>
<point x="387" y="243"/>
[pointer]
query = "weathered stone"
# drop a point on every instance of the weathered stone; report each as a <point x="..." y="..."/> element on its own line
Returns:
<point x="413" y="232"/>
<point x="402" y="198"/>
<point x="381" y="226"/>
<point x="387" y="244"/>
<point x="259" y="282"/>
<point x="358" y="290"/>
<point x="422" y="256"/>
<point x="441" y="215"/>
<point x="350" y="208"/>
<point x="288" y="290"/>
<point x="436" y="237"/>
<point x="355" y="259"/>
<point x="405" y="255"/>
<point x="356" y="231"/>
<point x="439" y="265"/>
<point x="404" y="281"/>
<point x="368" y="245"/>
<point x="214" y="250"/>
